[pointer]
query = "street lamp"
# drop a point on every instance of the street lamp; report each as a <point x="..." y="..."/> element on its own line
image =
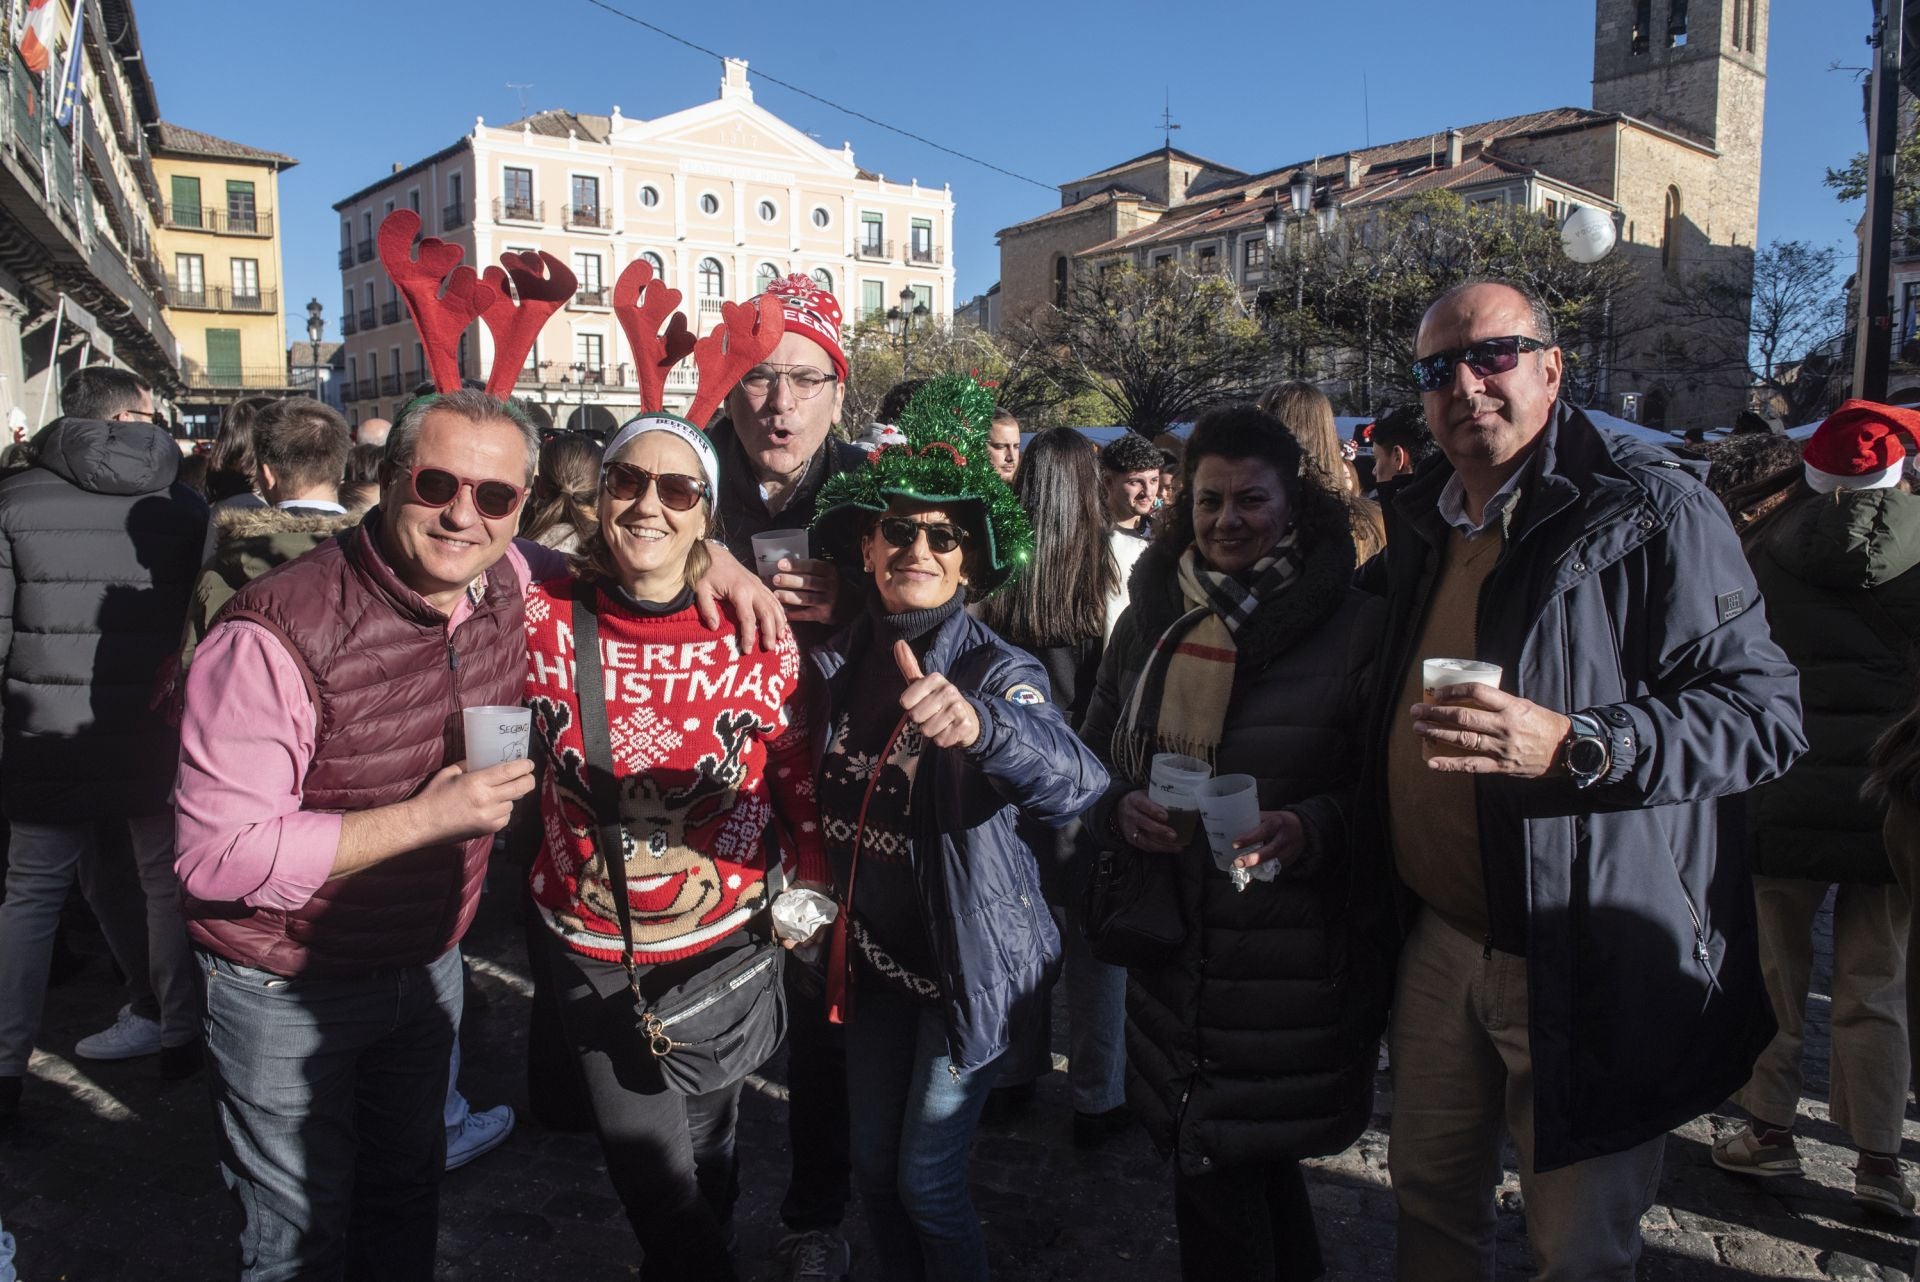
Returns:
<point x="907" y="313"/>
<point x="1300" y="188"/>
<point x="316" y="327"/>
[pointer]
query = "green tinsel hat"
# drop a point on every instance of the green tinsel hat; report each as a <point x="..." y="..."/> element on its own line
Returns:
<point x="943" y="464"/>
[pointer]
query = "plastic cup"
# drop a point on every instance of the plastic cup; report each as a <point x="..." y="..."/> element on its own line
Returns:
<point x="1170" y="785"/>
<point x="775" y="546"/>
<point x="1436" y="674"/>
<point x="1229" y="809"/>
<point x="496" y="733"/>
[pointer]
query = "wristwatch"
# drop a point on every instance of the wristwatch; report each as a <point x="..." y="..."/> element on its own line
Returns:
<point x="1587" y="753"/>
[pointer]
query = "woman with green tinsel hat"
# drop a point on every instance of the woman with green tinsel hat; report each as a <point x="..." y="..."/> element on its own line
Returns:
<point x="934" y="736"/>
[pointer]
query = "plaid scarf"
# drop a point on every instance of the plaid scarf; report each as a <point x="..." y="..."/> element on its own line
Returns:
<point x="1179" y="704"/>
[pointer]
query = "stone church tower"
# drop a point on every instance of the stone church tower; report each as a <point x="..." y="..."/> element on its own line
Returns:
<point x="1697" y="68"/>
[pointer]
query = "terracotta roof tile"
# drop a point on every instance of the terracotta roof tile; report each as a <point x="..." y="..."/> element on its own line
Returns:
<point x="565" y="124"/>
<point x="191" y="142"/>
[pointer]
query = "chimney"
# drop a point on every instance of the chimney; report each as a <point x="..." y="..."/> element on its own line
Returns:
<point x="1354" y="169"/>
<point x="1455" y="145"/>
<point x="396" y="166"/>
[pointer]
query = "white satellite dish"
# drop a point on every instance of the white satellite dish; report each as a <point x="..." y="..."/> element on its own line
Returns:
<point x="1587" y="235"/>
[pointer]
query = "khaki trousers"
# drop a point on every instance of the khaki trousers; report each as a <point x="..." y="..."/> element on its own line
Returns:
<point x="1463" y="1073"/>
<point x="1868" y="1060"/>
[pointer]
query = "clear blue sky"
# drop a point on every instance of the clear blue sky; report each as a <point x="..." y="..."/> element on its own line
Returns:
<point x="1051" y="91"/>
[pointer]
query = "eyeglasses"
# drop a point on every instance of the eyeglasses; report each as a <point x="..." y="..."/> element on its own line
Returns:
<point x="678" y="491"/>
<point x="901" y="532"/>
<point x="805" y="380"/>
<point x="437" y="487"/>
<point x="1487" y="357"/>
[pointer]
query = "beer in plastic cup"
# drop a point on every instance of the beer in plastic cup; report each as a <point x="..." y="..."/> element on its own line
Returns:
<point x="1436" y="674"/>
<point x="1170" y="786"/>
<point x="496" y="733"/>
<point x="1230" y="809"/>
<point x="775" y="546"/>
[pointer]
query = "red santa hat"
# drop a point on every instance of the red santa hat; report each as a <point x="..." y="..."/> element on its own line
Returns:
<point x="1863" y="445"/>
<point x="812" y="312"/>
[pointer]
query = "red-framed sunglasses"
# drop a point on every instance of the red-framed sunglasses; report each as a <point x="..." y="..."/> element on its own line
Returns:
<point x="437" y="487"/>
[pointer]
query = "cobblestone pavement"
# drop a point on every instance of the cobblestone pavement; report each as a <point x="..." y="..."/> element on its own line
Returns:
<point x="111" y="1178"/>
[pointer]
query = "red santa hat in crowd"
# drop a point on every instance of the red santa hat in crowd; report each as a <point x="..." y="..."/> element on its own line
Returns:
<point x="812" y="312"/>
<point x="1863" y="445"/>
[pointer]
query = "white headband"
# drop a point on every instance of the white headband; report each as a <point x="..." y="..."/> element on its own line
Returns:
<point x="693" y="436"/>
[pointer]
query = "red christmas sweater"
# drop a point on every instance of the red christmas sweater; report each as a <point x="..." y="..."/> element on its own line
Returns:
<point x="710" y="751"/>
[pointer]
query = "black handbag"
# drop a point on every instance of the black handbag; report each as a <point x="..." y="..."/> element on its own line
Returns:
<point x="1132" y="908"/>
<point x="721" y="1021"/>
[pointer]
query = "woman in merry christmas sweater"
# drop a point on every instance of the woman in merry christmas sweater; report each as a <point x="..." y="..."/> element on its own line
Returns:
<point x="709" y="757"/>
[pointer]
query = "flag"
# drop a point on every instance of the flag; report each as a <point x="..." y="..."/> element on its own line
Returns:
<point x="36" y="35"/>
<point x="70" y="82"/>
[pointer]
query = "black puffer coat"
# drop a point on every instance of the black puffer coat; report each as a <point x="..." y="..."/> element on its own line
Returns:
<point x="98" y="553"/>
<point x="1257" y="1044"/>
<point x="1841" y="577"/>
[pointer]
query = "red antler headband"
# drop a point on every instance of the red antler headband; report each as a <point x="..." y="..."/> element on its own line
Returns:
<point x="746" y="335"/>
<point x="439" y="320"/>
<point x="640" y="303"/>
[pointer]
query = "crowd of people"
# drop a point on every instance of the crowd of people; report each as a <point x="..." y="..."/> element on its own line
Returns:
<point x="872" y="800"/>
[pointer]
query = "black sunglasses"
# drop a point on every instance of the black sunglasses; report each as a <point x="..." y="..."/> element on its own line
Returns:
<point x="901" y="531"/>
<point x="1487" y="357"/>
<point x="678" y="491"/>
<point x="437" y="487"/>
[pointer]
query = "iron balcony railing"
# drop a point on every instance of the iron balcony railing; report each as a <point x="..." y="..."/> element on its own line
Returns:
<point x="223" y="222"/>
<point x="508" y="209"/>
<point x="454" y="215"/>
<point x="595" y="217"/>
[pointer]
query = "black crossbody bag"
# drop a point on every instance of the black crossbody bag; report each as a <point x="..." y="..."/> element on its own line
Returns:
<point x="722" y="1022"/>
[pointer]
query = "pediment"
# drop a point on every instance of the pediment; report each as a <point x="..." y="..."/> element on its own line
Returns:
<point x="733" y="130"/>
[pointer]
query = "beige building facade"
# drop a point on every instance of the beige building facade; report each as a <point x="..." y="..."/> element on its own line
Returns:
<point x="1670" y="148"/>
<point x="721" y="198"/>
<point x="219" y="243"/>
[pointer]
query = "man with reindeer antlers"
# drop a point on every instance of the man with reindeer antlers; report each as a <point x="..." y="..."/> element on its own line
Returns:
<point x="330" y="845"/>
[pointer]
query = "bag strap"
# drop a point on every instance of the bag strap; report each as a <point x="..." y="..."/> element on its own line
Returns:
<point x="840" y="961"/>
<point x="590" y="688"/>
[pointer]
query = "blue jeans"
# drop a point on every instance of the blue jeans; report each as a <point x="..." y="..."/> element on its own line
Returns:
<point x="329" y="1095"/>
<point x="912" y="1124"/>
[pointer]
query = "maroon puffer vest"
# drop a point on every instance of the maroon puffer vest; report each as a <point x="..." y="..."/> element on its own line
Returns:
<point x="388" y="682"/>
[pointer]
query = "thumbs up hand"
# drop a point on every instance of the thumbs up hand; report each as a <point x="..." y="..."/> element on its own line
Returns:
<point x="940" y="712"/>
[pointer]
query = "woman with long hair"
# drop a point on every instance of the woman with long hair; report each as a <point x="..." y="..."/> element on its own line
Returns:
<point x="676" y="793"/>
<point x="1838" y="563"/>
<point x="934" y="737"/>
<point x="1308" y="414"/>
<point x="1251" y="1044"/>
<point x="232" y="471"/>
<point x="1058" y="611"/>
<point x="561" y="510"/>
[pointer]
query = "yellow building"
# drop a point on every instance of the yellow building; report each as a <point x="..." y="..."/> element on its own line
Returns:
<point x="219" y="244"/>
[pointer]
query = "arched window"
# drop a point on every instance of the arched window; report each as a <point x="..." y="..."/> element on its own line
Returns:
<point x="823" y="278"/>
<point x="1670" y="231"/>
<point x="764" y="276"/>
<point x="659" y="264"/>
<point x="713" y="280"/>
<point x="1059" y="280"/>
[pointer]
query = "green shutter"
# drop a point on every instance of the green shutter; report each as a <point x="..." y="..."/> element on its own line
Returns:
<point x="223" y="356"/>
<point x="186" y="201"/>
<point x="240" y="209"/>
<point x="872" y="298"/>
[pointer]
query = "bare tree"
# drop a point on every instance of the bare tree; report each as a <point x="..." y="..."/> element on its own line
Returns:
<point x="1757" y="333"/>
<point x="1157" y="346"/>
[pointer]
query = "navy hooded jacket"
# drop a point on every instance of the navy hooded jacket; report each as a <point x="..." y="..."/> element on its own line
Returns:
<point x="994" y="940"/>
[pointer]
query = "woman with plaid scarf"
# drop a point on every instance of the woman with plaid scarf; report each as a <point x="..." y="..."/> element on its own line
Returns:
<point x="1245" y="646"/>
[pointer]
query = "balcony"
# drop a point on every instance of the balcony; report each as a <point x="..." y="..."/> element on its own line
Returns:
<point x="390" y="312"/>
<point x="389" y="385"/>
<point x="200" y="298"/>
<point x="509" y="210"/>
<point x="878" y="251"/>
<point x="346" y="257"/>
<point x="590" y="298"/>
<point x="454" y="215"/>
<point x="366" y="318"/>
<point x="348" y="326"/>
<point x="363" y="252"/>
<point x="590" y="217"/>
<point x="927" y="254"/>
<point x="368" y="388"/>
<point x="202" y="378"/>
<point x="221" y="222"/>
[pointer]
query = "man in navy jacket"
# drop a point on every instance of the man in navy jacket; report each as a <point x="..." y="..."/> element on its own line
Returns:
<point x="1580" y="968"/>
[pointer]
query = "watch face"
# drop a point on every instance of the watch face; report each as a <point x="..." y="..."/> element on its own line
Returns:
<point x="1586" y="756"/>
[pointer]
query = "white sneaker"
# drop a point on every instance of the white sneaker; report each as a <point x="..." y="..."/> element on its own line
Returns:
<point x="130" y="1037"/>
<point x="485" y="1130"/>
